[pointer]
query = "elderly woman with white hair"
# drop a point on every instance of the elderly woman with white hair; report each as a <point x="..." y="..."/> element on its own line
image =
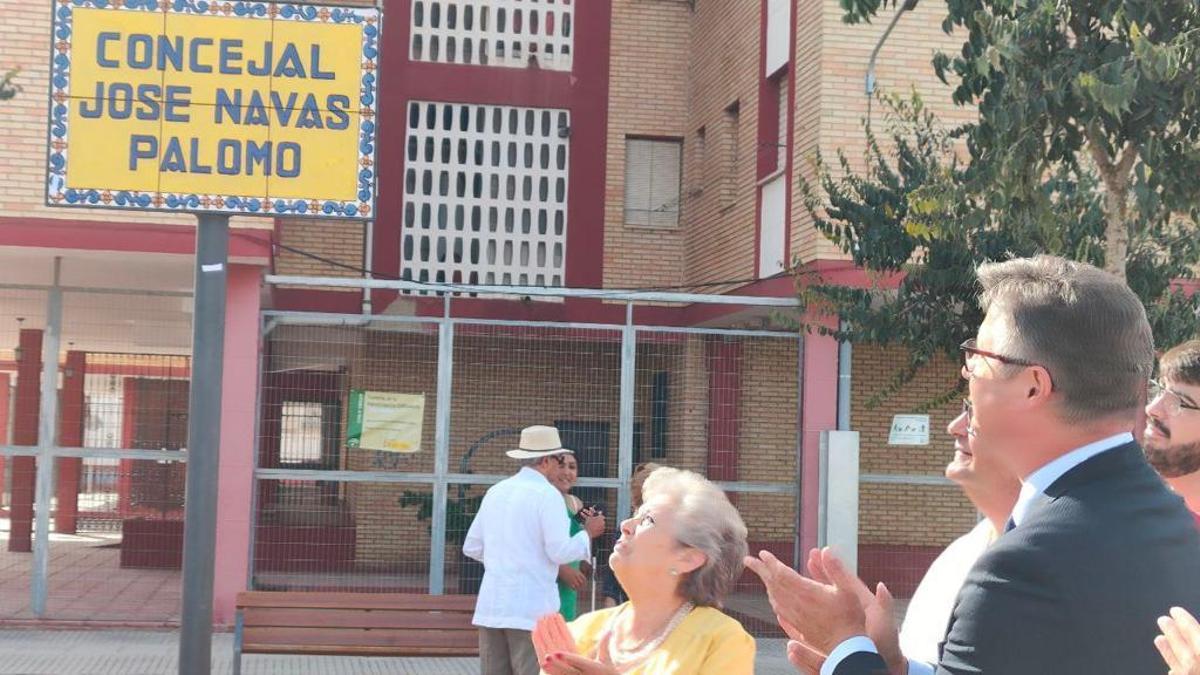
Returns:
<point x="677" y="558"/>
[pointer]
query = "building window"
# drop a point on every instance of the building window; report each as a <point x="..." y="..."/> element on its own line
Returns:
<point x="779" y="24"/>
<point x="652" y="170"/>
<point x="485" y="194"/>
<point x="300" y="439"/>
<point x="773" y="125"/>
<point x="781" y="134"/>
<point x="507" y="33"/>
<point x="732" y="153"/>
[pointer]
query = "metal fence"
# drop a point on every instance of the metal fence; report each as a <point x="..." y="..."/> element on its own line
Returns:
<point x="94" y="388"/>
<point x="342" y="513"/>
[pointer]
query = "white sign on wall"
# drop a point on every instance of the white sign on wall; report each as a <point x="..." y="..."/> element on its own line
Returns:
<point x="909" y="430"/>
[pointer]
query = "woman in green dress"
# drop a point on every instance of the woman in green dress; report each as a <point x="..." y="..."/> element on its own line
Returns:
<point x="570" y="579"/>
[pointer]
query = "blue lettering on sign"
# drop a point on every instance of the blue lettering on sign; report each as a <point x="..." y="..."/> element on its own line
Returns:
<point x="227" y="106"/>
<point x="283" y="168"/>
<point x="229" y="157"/>
<point x="258" y="155"/>
<point x="256" y="111"/>
<point x="97" y="104"/>
<point x="146" y="51"/>
<point x="283" y="112"/>
<point x="172" y="159"/>
<point x="264" y="68"/>
<point x="141" y="146"/>
<point x="317" y="73"/>
<point x="101" y="59"/>
<point x="120" y="100"/>
<point x="234" y="157"/>
<point x="289" y="64"/>
<point x="147" y="95"/>
<point x="194" y="55"/>
<point x="177" y="97"/>
<point x="310" y="117"/>
<point x="140" y="51"/>
<point x="194" y="166"/>
<point x="337" y="104"/>
<point x="170" y="52"/>
<point x="230" y="57"/>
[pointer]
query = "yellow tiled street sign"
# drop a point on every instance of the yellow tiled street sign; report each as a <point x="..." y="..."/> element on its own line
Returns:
<point x="231" y="107"/>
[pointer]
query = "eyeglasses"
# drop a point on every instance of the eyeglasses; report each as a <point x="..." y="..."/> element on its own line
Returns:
<point x="1173" y="402"/>
<point x="971" y="353"/>
<point x="968" y="410"/>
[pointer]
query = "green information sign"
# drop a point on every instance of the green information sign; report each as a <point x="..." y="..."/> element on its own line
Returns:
<point x="381" y="420"/>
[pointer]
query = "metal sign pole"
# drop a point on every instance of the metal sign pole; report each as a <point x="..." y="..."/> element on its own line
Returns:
<point x="204" y="436"/>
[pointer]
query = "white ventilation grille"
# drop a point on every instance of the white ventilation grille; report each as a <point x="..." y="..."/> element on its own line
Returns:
<point x="485" y="194"/>
<point x="510" y="33"/>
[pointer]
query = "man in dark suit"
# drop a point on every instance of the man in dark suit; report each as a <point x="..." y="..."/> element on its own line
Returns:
<point x="1097" y="547"/>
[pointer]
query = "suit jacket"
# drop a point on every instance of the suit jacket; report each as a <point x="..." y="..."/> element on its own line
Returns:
<point x="1076" y="588"/>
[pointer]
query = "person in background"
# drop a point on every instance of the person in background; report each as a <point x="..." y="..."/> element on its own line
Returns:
<point x="570" y="579"/>
<point x="613" y="594"/>
<point x="677" y="558"/>
<point x="521" y="535"/>
<point x="1172" y="435"/>
<point x="1172" y="445"/>
<point x="993" y="491"/>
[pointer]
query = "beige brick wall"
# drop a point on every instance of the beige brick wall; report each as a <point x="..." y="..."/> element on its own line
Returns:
<point x="724" y="69"/>
<point x="906" y="514"/>
<point x="337" y="240"/>
<point x="840" y="53"/>
<point x="25" y="45"/>
<point x="647" y="96"/>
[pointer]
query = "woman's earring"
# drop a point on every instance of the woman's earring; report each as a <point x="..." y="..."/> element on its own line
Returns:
<point x="674" y="572"/>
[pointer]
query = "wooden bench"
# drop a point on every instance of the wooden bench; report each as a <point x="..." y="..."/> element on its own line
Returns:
<point x="353" y="624"/>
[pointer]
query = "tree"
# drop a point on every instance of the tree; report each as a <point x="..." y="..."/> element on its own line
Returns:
<point x="915" y="212"/>
<point x="1103" y="86"/>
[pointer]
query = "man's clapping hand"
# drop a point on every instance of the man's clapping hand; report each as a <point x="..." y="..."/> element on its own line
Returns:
<point x="1179" y="643"/>
<point x="820" y="612"/>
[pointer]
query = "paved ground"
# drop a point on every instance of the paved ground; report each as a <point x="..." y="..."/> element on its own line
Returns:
<point x="44" y="652"/>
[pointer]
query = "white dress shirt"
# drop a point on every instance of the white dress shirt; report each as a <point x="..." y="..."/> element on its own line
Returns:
<point x="1033" y="485"/>
<point x="521" y="535"/>
<point x="928" y="612"/>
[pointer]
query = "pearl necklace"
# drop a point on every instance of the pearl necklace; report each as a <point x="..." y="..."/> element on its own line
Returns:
<point x="624" y="660"/>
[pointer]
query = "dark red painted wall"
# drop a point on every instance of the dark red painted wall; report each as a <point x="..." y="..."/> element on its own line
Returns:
<point x="583" y="91"/>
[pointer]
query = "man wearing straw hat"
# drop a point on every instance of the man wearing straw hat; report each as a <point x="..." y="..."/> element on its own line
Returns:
<point x="521" y="535"/>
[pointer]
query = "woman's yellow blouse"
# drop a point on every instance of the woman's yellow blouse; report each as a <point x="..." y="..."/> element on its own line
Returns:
<point x="706" y="642"/>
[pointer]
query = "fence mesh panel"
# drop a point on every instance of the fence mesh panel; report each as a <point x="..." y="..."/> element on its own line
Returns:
<point x="341" y="536"/>
<point x="116" y="523"/>
<point x="509" y="377"/>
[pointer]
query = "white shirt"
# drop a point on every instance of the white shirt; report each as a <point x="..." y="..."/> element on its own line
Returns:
<point x="1033" y="485"/>
<point x="929" y="610"/>
<point x="521" y="535"/>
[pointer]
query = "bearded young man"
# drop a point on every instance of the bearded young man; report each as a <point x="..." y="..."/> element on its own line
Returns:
<point x="1172" y="436"/>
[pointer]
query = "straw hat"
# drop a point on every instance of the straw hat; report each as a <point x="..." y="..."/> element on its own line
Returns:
<point x="538" y="441"/>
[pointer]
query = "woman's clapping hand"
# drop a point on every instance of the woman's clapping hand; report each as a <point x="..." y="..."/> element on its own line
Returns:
<point x="557" y="653"/>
